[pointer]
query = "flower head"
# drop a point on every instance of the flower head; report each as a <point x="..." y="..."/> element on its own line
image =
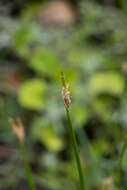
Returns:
<point x="65" y="92"/>
<point x="18" y="129"/>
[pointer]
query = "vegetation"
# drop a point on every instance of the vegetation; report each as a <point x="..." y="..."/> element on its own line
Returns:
<point x="87" y="39"/>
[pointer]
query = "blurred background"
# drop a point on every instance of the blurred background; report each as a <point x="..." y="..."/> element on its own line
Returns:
<point x="87" y="39"/>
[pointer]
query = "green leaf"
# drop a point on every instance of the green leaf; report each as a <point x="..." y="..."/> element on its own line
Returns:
<point x="23" y="38"/>
<point x="32" y="94"/>
<point x="44" y="131"/>
<point x="106" y="82"/>
<point x="79" y="115"/>
<point x="44" y="62"/>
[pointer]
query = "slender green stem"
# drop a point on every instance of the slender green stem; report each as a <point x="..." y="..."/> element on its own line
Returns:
<point x="120" y="162"/>
<point x="28" y="171"/>
<point x="122" y="155"/>
<point x="75" y="147"/>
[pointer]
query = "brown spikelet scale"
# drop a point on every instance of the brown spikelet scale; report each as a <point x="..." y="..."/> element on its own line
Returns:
<point x="18" y="129"/>
<point x="65" y="92"/>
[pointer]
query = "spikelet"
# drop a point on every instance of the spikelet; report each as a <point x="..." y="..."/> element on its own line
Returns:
<point x="65" y="92"/>
<point x="18" y="129"/>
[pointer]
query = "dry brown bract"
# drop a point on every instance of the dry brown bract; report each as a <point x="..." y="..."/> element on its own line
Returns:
<point x="18" y="129"/>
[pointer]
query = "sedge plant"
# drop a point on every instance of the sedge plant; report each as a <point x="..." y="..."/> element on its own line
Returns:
<point x="67" y="102"/>
<point x="19" y="131"/>
<point x="120" y="160"/>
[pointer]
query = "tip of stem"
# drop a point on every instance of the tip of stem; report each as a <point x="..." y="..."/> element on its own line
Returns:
<point x="63" y="78"/>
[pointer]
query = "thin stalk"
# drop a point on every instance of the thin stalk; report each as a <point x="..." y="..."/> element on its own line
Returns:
<point x="75" y="148"/>
<point x="27" y="168"/>
<point x="120" y="175"/>
<point x="122" y="155"/>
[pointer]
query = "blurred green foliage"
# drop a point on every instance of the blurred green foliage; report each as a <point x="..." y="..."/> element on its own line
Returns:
<point x="92" y="53"/>
<point x="31" y="94"/>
